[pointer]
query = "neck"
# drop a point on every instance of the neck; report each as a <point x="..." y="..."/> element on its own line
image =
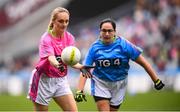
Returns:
<point x="59" y="34"/>
<point x="106" y="43"/>
<point x="56" y="34"/>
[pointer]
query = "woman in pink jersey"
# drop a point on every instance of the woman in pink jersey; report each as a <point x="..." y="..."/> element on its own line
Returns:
<point x="49" y="78"/>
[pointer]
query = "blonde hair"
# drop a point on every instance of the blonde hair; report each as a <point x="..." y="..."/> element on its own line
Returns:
<point x="54" y="15"/>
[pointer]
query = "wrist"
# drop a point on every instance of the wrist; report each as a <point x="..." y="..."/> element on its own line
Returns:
<point x="56" y="65"/>
<point x="157" y="81"/>
<point x="79" y="91"/>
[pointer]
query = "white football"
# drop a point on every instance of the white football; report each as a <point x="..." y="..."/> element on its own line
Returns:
<point x="71" y="55"/>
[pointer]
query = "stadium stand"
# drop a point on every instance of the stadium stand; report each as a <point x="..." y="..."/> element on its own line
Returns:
<point x="152" y="25"/>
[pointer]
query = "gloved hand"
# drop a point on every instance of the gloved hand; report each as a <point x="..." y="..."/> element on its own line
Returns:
<point x="79" y="96"/>
<point x="158" y="84"/>
<point x="86" y="71"/>
<point x="58" y="58"/>
<point x="60" y="66"/>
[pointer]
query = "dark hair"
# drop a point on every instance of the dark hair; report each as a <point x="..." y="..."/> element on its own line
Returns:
<point x="108" y="20"/>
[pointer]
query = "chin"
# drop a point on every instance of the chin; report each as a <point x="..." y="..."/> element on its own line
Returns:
<point x="62" y="30"/>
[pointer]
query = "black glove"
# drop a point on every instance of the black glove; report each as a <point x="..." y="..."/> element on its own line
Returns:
<point x="158" y="84"/>
<point x="86" y="71"/>
<point x="58" y="58"/>
<point x="60" y="66"/>
<point x="79" y="96"/>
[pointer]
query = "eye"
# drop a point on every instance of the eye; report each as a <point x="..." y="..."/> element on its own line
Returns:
<point x="67" y="21"/>
<point x="107" y="30"/>
<point x="63" y="21"/>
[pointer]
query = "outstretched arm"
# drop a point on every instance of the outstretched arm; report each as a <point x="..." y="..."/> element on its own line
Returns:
<point x="85" y="70"/>
<point x="80" y="96"/>
<point x="53" y="61"/>
<point x="145" y="64"/>
<point x="82" y="82"/>
<point x="158" y="84"/>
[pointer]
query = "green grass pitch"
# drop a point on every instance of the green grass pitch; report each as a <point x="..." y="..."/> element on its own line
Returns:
<point x="151" y="101"/>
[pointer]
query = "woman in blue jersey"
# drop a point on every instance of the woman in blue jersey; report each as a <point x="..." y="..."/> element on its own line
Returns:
<point x="111" y="55"/>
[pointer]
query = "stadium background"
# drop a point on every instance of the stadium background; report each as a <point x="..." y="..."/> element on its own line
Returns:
<point x="154" y="25"/>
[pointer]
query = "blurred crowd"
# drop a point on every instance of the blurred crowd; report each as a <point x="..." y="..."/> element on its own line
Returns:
<point x="154" y="26"/>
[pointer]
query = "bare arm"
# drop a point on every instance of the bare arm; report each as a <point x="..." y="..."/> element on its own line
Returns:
<point x="81" y="83"/>
<point x="78" y="66"/>
<point x="145" y="64"/>
<point x="80" y="96"/>
<point x="53" y="61"/>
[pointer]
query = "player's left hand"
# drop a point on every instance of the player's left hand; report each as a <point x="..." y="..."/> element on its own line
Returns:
<point x="79" y="96"/>
<point x="86" y="71"/>
<point x="158" y="84"/>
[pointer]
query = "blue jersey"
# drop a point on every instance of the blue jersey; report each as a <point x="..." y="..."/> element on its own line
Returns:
<point x="112" y="61"/>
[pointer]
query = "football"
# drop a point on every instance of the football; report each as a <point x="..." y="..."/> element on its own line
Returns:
<point x="71" y="55"/>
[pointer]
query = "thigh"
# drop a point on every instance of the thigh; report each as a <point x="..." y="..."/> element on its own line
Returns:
<point x="63" y="95"/>
<point x="114" y="108"/>
<point x="100" y="88"/>
<point x="41" y="89"/>
<point x="118" y="92"/>
<point x="62" y="87"/>
<point x="102" y="103"/>
<point x="66" y="102"/>
<point x="39" y="107"/>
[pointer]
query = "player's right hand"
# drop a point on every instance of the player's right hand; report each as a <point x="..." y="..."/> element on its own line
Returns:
<point x="60" y="66"/>
<point x="79" y="96"/>
<point x="86" y="71"/>
<point x="158" y="84"/>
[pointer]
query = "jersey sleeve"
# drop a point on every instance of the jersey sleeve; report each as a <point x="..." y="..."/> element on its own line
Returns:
<point x="45" y="48"/>
<point x="132" y="50"/>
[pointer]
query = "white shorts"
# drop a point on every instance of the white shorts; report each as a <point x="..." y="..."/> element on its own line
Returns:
<point x="115" y="91"/>
<point x="42" y="88"/>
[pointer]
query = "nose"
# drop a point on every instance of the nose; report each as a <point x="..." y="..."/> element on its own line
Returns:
<point x="106" y="33"/>
<point x="65" y="23"/>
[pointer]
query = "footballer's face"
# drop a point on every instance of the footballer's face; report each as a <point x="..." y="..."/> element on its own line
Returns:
<point x="61" y="22"/>
<point x="107" y="33"/>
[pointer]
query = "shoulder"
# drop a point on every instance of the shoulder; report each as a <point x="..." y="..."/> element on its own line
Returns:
<point x="123" y="40"/>
<point x="95" y="45"/>
<point x="68" y="35"/>
<point x="46" y="37"/>
<point x="120" y="39"/>
<point x="126" y="44"/>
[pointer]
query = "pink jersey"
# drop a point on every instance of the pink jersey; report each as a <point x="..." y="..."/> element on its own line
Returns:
<point x="53" y="46"/>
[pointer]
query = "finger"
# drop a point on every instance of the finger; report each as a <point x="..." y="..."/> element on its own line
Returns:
<point x="84" y="75"/>
<point x="80" y="100"/>
<point x="76" y="99"/>
<point x="84" y="97"/>
<point x="89" y="75"/>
